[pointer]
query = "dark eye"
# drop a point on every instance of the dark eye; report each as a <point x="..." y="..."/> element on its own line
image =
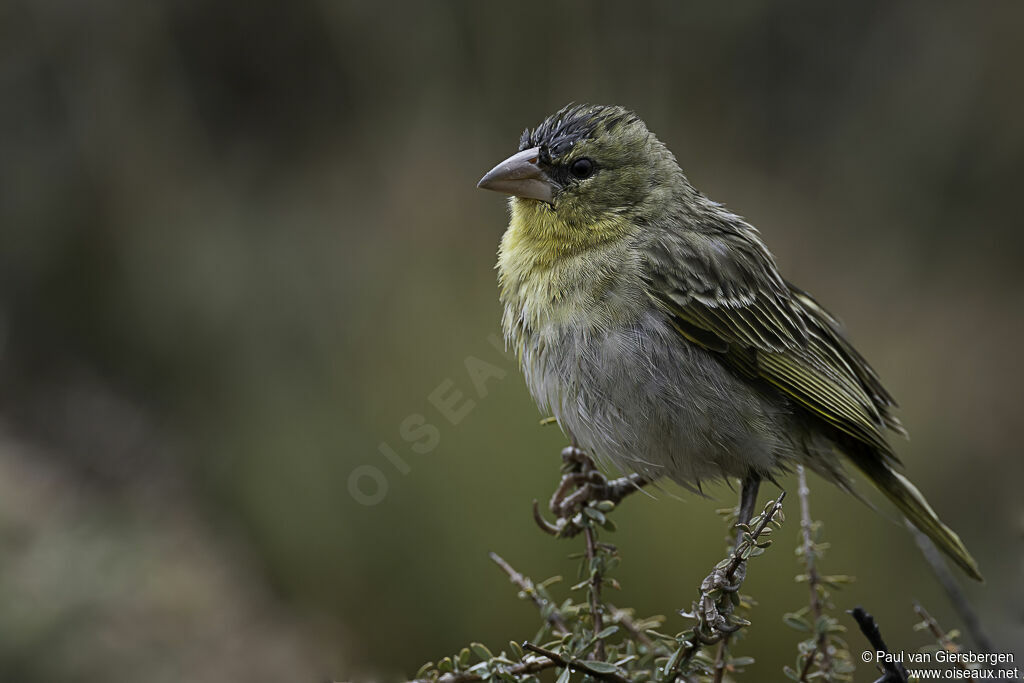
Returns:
<point x="582" y="168"/>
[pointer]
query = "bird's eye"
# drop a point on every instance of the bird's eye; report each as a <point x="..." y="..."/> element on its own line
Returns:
<point x="582" y="168"/>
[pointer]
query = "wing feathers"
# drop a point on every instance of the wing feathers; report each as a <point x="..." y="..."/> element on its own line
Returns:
<point x="722" y="292"/>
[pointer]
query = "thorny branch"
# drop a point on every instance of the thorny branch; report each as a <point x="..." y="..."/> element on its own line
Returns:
<point x="576" y="664"/>
<point x="580" y="503"/>
<point x="719" y="593"/>
<point x="813" y="578"/>
<point x="945" y="640"/>
<point x="595" y="592"/>
<point x="529" y="589"/>
<point x="972" y="624"/>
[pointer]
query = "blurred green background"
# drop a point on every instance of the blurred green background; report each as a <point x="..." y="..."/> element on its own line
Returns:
<point x="240" y="245"/>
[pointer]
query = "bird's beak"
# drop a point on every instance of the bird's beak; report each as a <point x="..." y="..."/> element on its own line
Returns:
<point x="520" y="175"/>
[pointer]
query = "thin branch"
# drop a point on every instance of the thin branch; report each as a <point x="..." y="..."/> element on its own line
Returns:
<point x="718" y="627"/>
<point x="945" y="641"/>
<point x="972" y="624"/>
<point x="620" y="616"/>
<point x="528" y="587"/>
<point x="527" y="666"/>
<point x="720" y="660"/>
<point x="575" y="664"/>
<point x="595" y="592"/>
<point x="894" y="671"/>
<point x="737" y="557"/>
<point x="813" y="579"/>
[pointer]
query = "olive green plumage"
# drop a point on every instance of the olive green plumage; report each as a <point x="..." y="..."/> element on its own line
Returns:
<point x="654" y="325"/>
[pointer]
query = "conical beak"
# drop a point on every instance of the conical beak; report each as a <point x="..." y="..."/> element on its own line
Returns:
<point x="520" y="175"/>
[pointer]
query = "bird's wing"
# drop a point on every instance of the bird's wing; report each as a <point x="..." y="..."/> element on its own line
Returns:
<point x="722" y="291"/>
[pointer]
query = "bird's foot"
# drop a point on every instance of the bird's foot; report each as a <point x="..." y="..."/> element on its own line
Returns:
<point x="583" y="486"/>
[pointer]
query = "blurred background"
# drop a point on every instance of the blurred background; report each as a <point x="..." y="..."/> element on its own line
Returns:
<point x="241" y="249"/>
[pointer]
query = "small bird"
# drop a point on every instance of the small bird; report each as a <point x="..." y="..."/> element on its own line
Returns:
<point x="654" y="325"/>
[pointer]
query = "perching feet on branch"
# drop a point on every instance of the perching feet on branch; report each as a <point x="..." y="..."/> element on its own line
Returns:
<point x="719" y="592"/>
<point x="582" y="484"/>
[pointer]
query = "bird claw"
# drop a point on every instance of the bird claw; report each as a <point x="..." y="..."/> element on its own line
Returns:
<point x="715" y="609"/>
<point x="571" y="455"/>
<point x="545" y="526"/>
<point x="718" y="580"/>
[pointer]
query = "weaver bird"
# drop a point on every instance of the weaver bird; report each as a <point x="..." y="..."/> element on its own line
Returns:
<point x="654" y="325"/>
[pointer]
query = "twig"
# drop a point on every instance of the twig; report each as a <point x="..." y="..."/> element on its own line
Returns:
<point x="595" y="593"/>
<point x="620" y="616"/>
<point x="813" y="579"/>
<point x="894" y="671"/>
<point x="720" y="660"/>
<point x="527" y="666"/>
<point x="576" y="664"/>
<point x="720" y="630"/>
<point x="944" y="640"/>
<point x="527" y="586"/>
<point x="737" y="557"/>
<point x="972" y="624"/>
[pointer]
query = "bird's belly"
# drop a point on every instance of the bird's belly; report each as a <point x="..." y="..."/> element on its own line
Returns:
<point x="648" y="401"/>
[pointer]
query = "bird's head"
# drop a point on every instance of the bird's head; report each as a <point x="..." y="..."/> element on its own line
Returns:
<point x="587" y="168"/>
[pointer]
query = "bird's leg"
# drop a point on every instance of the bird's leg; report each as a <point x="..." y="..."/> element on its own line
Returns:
<point x="748" y="500"/>
<point x="727" y="577"/>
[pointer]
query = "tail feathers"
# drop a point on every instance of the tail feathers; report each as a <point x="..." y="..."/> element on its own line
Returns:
<point x="914" y="507"/>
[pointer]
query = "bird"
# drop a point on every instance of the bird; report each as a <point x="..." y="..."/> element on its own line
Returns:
<point x="655" y="327"/>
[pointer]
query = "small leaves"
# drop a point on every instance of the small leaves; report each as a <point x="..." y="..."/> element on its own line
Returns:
<point x="599" y="666"/>
<point x="585" y="637"/>
<point x="796" y="620"/>
<point x="481" y="651"/>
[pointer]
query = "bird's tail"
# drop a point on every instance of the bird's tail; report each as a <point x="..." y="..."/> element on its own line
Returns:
<point x="914" y="507"/>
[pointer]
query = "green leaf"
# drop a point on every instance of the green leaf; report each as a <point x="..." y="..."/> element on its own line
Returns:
<point x="599" y="666"/>
<point x="660" y="636"/>
<point x="481" y="651"/>
<point x="422" y="671"/>
<point x="609" y="631"/>
<point x="549" y="581"/>
<point x="564" y="676"/>
<point x="516" y="649"/>
<point x="797" y="622"/>
<point x="671" y="663"/>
